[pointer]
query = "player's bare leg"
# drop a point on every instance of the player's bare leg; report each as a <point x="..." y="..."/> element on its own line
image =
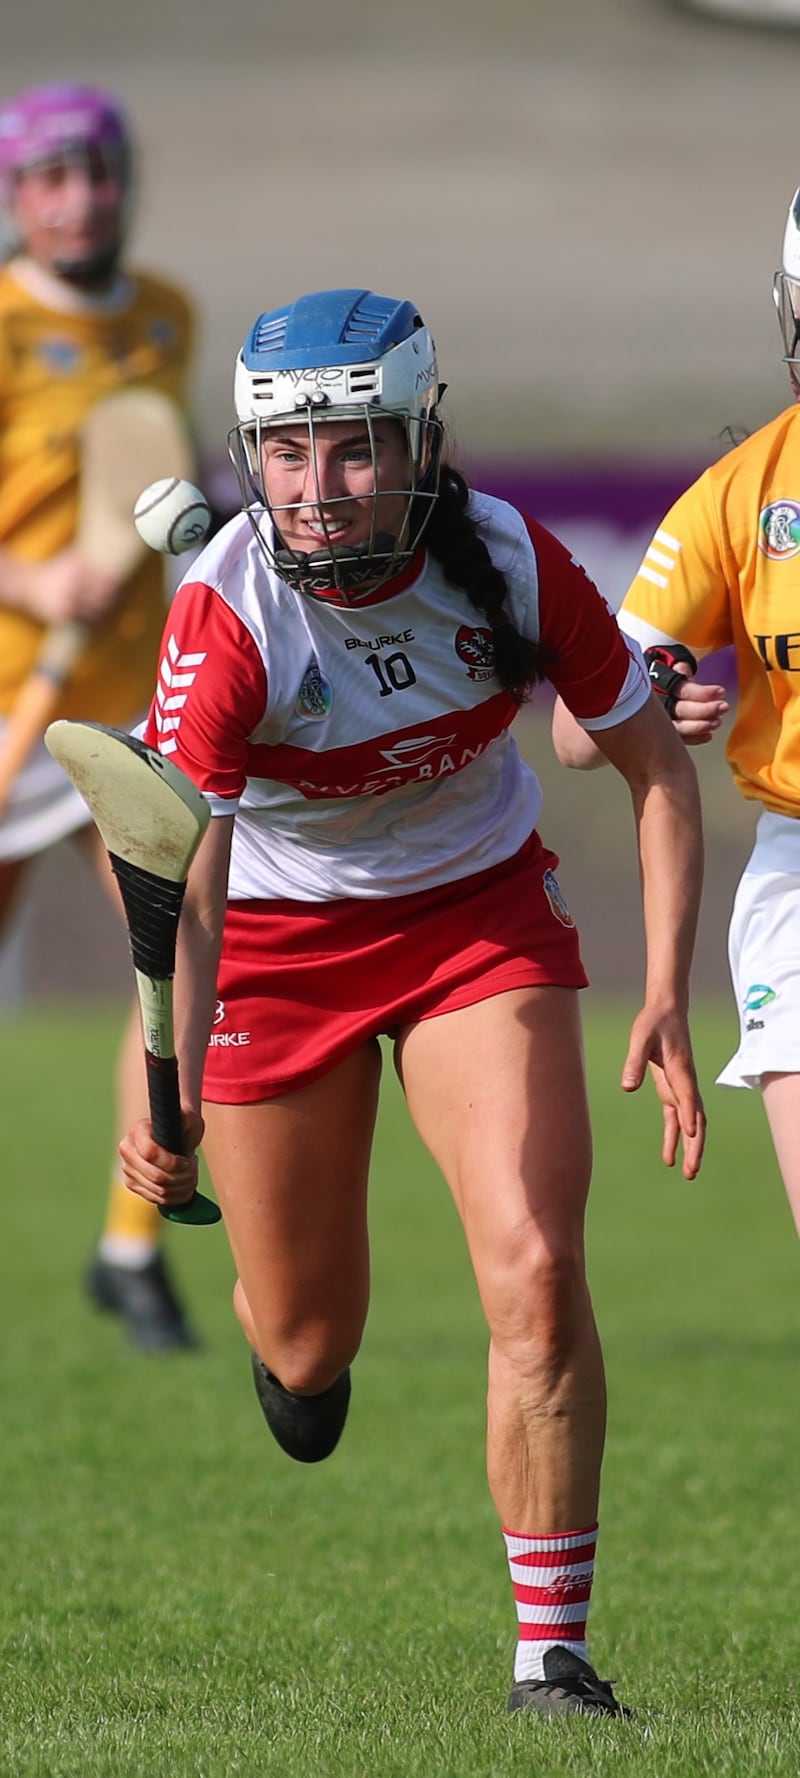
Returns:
<point x="508" y="1124"/>
<point x="509" y="1128"/>
<point x="128" y="1273"/>
<point x="781" y="1094"/>
<point x="291" y="1177"/>
<point x="12" y="873"/>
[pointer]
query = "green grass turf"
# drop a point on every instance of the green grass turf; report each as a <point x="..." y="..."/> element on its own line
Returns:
<point x="177" y="1598"/>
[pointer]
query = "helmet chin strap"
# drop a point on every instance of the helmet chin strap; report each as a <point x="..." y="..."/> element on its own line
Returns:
<point x="344" y="566"/>
<point x="96" y="270"/>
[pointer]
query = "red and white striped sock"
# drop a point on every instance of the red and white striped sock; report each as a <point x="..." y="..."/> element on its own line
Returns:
<point x="552" y="1581"/>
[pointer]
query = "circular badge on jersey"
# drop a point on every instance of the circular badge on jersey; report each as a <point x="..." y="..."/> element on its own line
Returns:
<point x="62" y="357"/>
<point x="162" y="331"/>
<point x="315" y="696"/>
<point x="476" y="649"/>
<point x="779" y="530"/>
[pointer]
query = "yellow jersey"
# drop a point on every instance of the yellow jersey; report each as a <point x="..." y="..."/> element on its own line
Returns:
<point x="724" y="569"/>
<point x="53" y="367"/>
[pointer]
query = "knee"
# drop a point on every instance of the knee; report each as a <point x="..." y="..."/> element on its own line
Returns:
<point x="306" y="1353"/>
<point x="310" y="1361"/>
<point x="536" y="1316"/>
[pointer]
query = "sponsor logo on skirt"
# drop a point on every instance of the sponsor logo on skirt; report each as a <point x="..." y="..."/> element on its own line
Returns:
<point x="758" y="995"/>
<point x="557" y="903"/>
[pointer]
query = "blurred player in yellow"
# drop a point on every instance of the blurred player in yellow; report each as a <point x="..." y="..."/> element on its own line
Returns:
<point x="76" y="325"/>
<point x="723" y="570"/>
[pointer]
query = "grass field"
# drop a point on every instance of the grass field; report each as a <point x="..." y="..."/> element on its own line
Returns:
<point x="178" y="1599"/>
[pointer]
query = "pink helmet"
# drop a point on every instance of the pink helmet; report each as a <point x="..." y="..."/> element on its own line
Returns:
<point x="45" y="122"/>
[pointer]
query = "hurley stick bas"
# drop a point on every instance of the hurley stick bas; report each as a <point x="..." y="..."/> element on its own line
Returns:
<point x="151" y="819"/>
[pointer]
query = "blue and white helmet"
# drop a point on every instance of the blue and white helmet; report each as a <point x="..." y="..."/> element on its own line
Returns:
<point x="786" y="291"/>
<point x="333" y="355"/>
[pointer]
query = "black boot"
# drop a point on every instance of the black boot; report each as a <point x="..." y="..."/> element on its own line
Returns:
<point x="570" y="1688"/>
<point x="145" y="1299"/>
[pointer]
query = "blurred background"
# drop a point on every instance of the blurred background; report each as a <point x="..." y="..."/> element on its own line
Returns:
<point x="586" y="198"/>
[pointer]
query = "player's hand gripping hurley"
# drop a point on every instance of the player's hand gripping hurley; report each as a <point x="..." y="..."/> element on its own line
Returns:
<point x="151" y="819"/>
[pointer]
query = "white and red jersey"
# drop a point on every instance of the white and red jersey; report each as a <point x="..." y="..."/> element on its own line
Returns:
<point x="366" y="750"/>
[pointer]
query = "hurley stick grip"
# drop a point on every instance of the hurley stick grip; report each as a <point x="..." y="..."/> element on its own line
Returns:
<point x="165" y="1105"/>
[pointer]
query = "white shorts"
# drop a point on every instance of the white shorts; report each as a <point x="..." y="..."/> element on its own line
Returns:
<point x="764" y="957"/>
<point x="42" y="807"/>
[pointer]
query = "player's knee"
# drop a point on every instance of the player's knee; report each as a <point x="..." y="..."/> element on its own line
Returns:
<point x="306" y="1352"/>
<point x="537" y="1322"/>
<point x="311" y="1360"/>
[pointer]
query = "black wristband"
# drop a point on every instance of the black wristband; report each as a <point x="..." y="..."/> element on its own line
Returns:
<point x="667" y="683"/>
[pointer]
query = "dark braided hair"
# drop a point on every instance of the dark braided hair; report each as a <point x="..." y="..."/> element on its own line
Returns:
<point x="452" y="538"/>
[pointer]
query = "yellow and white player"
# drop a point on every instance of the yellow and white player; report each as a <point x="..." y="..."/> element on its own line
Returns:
<point x="77" y="325"/>
<point x="723" y="570"/>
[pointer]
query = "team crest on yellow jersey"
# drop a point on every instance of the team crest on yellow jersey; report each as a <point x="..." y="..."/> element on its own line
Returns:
<point x="779" y="530"/>
<point x="62" y="356"/>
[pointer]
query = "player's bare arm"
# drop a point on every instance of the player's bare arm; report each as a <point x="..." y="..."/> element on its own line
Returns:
<point x="699" y="712"/>
<point x="666" y="801"/>
<point x="151" y="1171"/>
<point x="198" y="953"/>
<point x="67" y="585"/>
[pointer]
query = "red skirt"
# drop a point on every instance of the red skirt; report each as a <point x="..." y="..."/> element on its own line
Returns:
<point x="302" y="984"/>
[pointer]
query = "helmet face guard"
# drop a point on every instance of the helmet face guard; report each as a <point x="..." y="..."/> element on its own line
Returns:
<point x="786" y="293"/>
<point x="339" y="356"/>
<point x="354" y="570"/>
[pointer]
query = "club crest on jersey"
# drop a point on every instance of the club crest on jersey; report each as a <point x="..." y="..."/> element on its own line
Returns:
<point x="558" y="905"/>
<point x="162" y="331"/>
<point x="61" y="356"/>
<point x="315" y="697"/>
<point x="779" y="530"/>
<point x="476" y="649"/>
